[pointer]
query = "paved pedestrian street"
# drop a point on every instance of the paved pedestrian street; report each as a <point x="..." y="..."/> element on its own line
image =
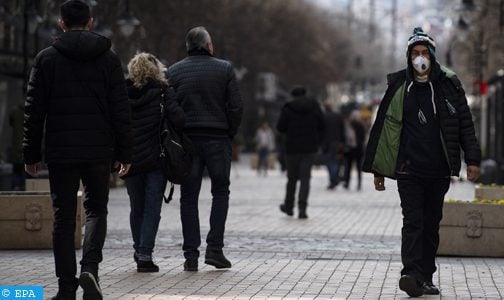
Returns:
<point x="348" y="248"/>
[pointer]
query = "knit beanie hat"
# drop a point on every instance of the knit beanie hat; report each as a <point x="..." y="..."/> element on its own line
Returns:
<point x="419" y="37"/>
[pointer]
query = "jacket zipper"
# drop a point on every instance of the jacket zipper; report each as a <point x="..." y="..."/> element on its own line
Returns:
<point x="451" y="110"/>
<point x="441" y="135"/>
<point x="444" y="149"/>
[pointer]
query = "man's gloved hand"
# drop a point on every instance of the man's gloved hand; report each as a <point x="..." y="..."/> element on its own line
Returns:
<point x="379" y="183"/>
<point x="473" y="173"/>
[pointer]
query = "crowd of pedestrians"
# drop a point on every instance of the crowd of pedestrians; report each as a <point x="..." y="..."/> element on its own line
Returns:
<point x="96" y="122"/>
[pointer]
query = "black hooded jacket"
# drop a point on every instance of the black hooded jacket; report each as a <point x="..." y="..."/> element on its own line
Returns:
<point x="77" y="90"/>
<point x="302" y="122"/>
<point x="456" y="128"/>
<point x="145" y="119"/>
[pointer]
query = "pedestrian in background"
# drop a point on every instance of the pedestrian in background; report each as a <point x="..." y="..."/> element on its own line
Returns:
<point x="280" y="151"/>
<point x="77" y="90"/>
<point x="422" y="122"/>
<point x="146" y="182"/>
<point x="354" y="150"/>
<point x="265" y="143"/>
<point x="302" y="123"/>
<point x="207" y="89"/>
<point x="333" y="144"/>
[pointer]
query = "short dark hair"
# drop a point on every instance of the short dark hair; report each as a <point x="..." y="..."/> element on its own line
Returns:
<point x="75" y="13"/>
<point x="298" y="91"/>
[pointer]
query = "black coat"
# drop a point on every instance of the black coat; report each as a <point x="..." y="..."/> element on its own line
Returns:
<point x="302" y="122"/>
<point x="360" y="133"/>
<point x="207" y="90"/>
<point x="457" y="127"/>
<point x="334" y="137"/>
<point x="77" y="90"/>
<point x="145" y="119"/>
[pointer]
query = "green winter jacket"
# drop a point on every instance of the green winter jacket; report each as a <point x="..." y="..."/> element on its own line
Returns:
<point x="456" y="125"/>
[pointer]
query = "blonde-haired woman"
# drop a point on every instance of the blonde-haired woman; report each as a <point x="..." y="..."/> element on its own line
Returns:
<point x="146" y="182"/>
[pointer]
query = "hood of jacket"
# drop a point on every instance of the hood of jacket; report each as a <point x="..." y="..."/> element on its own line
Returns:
<point x="82" y="45"/>
<point x="302" y="105"/>
<point x="143" y="95"/>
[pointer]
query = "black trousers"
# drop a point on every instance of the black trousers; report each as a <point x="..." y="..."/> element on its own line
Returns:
<point x="64" y="180"/>
<point x="298" y="168"/>
<point x="422" y="209"/>
<point x="354" y="155"/>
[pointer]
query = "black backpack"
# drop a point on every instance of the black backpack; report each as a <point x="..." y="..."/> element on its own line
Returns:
<point x="175" y="151"/>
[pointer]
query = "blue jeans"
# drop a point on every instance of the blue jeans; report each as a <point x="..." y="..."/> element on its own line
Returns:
<point x="333" y="168"/>
<point x="146" y="198"/>
<point x="215" y="155"/>
<point x="262" y="163"/>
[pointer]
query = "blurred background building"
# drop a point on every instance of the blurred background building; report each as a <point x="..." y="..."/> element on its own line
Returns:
<point x="340" y="49"/>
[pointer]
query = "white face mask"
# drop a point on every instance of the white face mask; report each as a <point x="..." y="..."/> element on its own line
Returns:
<point x="421" y="64"/>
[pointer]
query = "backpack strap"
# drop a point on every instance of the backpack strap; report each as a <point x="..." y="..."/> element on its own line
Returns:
<point x="162" y="105"/>
<point x="162" y="108"/>
<point x="170" y="195"/>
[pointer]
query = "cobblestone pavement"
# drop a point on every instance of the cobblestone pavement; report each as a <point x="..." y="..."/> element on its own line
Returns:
<point x="348" y="248"/>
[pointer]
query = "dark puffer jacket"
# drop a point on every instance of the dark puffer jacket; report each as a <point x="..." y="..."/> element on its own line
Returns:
<point x="455" y="120"/>
<point x="77" y="88"/>
<point x="302" y="122"/>
<point x="334" y="137"/>
<point x="145" y="118"/>
<point x="207" y="90"/>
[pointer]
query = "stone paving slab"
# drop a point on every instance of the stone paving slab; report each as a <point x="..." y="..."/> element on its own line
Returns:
<point x="349" y="248"/>
<point x="263" y="275"/>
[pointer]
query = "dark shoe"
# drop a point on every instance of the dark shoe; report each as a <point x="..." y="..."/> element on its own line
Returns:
<point x="64" y="295"/>
<point x="147" y="266"/>
<point x="217" y="259"/>
<point x="284" y="210"/>
<point x="411" y="286"/>
<point x="135" y="257"/>
<point x="191" y="265"/>
<point x="89" y="284"/>
<point x="66" y="289"/>
<point x="303" y="215"/>
<point x="429" y="288"/>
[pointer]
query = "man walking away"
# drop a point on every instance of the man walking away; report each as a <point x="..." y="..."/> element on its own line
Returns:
<point x="332" y="146"/>
<point x="302" y="122"/>
<point x="77" y="90"/>
<point x="422" y="123"/>
<point x="355" y="149"/>
<point x="207" y="90"/>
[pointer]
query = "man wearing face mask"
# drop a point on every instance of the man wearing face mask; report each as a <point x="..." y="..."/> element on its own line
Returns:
<point x="422" y="123"/>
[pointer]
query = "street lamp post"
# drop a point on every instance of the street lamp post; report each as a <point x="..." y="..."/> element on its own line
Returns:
<point x="31" y="21"/>
<point x="127" y="23"/>
<point x="477" y="17"/>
